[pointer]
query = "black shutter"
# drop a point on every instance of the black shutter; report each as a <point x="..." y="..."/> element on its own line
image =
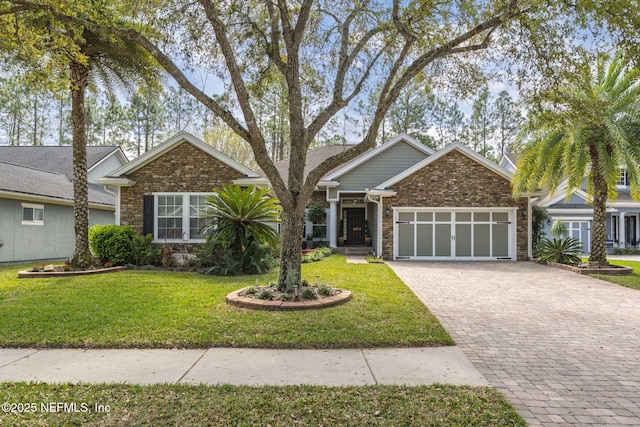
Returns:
<point x="148" y="213"/>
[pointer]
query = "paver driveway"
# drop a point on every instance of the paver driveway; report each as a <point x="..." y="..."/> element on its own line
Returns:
<point x="563" y="348"/>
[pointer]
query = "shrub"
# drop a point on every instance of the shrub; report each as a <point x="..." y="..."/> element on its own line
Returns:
<point x="121" y="244"/>
<point x="265" y="294"/>
<point x="285" y="297"/>
<point x="325" y="290"/>
<point x="112" y="243"/>
<point x="562" y="251"/>
<point x="308" y="294"/>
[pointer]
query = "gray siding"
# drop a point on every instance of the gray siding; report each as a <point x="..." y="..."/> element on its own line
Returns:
<point x="53" y="239"/>
<point x="107" y="166"/>
<point x="381" y="168"/>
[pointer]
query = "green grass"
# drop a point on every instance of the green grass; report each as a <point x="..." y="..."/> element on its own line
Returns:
<point x="151" y="309"/>
<point x="276" y="406"/>
<point x="632" y="281"/>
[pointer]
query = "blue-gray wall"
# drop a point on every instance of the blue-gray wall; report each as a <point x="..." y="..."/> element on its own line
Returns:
<point x="53" y="239"/>
<point x="381" y="168"/>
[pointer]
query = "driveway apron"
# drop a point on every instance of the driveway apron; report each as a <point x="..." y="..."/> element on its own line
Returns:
<point x="563" y="348"/>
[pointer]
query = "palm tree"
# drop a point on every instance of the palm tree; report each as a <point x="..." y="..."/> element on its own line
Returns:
<point x="108" y="60"/>
<point x="591" y="130"/>
<point x="239" y="218"/>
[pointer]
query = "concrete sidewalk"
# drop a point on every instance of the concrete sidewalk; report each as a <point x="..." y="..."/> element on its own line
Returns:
<point x="401" y="366"/>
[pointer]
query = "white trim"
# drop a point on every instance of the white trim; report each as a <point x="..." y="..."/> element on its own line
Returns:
<point x="506" y="160"/>
<point x="185" y="217"/>
<point x="449" y="148"/>
<point x="34" y="208"/>
<point x="559" y="196"/>
<point x="174" y="141"/>
<point x="257" y="182"/>
<point x="572" y="211"/>
<point x="50" y="200"/>
<point x="332" y="219"/>
<point x="572" y="218"/>
<point x="115" y="182"/>
<point x="374" y="152"/>
<point x="117" y="152"/>
<point x="512" y="232"/>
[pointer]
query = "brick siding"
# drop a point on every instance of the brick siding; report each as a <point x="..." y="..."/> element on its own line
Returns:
<point x="454" y="180"/>
<point x="184" y="168"/>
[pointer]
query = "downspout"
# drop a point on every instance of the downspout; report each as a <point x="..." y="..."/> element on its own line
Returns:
<point x="116" y="194"/>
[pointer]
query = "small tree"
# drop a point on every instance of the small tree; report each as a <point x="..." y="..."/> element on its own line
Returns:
<point x="539" y="218"/>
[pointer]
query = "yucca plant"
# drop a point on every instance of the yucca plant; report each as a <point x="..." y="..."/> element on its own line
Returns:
<point x="562" y="251"/>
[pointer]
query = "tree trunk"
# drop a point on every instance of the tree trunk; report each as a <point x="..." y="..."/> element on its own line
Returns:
<point x="598" y="228"/>
<point x="81" y="257"/>
<point x="291" y="253"/>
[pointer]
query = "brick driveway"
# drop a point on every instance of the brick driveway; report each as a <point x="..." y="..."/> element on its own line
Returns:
<point x="563" y="348"/>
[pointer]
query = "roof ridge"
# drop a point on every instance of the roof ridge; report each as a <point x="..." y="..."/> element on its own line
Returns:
<point x="32" y="168"/>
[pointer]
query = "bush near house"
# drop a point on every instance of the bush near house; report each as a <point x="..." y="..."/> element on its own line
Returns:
<point x="121" y="245"/>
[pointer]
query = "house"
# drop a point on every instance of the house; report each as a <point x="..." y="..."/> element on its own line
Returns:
<point x="575" y="209"/>
<point x="412" y="202"/>
<point x="623" y="214"/>
<point x="36" y="199"/>
<point x="162" y="192"/>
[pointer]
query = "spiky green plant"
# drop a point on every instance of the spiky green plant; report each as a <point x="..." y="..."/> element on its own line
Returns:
<point x="562" y="251"/>
<point x="241" y="221"/>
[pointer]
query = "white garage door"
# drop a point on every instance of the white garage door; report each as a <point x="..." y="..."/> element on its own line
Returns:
<point x="460" y="234"/>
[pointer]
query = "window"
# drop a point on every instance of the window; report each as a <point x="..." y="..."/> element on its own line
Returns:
<point x="32" y="214"/>
<point x="170" y="217"/>
<point x="196" y="222"/>
<point x="178" y="216"/>
<point x="623" y="180"/>
<point x="317" y="229"/>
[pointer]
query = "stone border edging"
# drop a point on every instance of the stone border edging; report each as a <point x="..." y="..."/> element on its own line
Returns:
<point x="31" y="274"/>
<point x="340" y="298"/>
<point x="613" y="271"/>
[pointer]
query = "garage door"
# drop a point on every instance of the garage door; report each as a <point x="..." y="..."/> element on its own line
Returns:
<point x="461" y="234"/>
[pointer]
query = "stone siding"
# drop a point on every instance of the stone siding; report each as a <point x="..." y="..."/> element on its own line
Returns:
<point x="184" y="168"/>
<point x="454" y="180"/>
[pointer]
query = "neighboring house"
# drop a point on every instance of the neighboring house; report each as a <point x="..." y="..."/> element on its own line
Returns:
<point x="36" y="199"/>
<point x="413" y="203"/>
<point x="623" y="213"/>
<point x="162" y="192"/>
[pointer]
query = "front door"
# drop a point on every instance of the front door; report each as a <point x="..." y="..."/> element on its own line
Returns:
<point x="354" y="222"/>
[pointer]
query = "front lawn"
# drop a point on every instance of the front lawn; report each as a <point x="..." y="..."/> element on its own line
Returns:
<point x="632" y="281"/>
<point x="187" y="310"/>
<point x="183" y="405"/>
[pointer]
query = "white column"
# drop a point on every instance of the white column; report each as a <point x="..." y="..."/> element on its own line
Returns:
<point x="333" y="224"/>
<point x="621" y="229"/>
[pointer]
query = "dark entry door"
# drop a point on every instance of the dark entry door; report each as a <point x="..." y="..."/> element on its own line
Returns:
<point x="630" y="229"/>
<point x="354" y="219"/>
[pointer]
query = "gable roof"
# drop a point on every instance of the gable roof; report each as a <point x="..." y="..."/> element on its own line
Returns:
<point x="509" y="161"/>
<point x="364" y="157"/>
<point x="314" y="158"/>
<point x="449" y="148"/>
<point x="172" y="142"/>
<point x="23" y="182"/>
<point x="55" y="158"/>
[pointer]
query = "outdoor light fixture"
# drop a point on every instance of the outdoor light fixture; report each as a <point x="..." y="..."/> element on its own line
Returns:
<point x="548" y="221"/>
<point x="387" y="212"/>
<point x="523" y="213"/>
